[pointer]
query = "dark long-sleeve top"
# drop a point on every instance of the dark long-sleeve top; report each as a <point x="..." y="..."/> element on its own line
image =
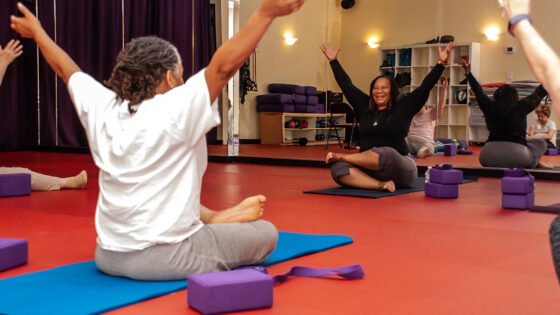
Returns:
<point x="386" y="127"/>
<point x="510" y="125"/>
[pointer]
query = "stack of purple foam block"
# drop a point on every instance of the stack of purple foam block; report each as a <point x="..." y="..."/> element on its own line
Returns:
<point x="443" y="182"/>
<point x="13" y="252"/>
<point x="290" y="98"/>
<point x="15" y="185"/>
<point x="518" y="189"/>
<point x="450" y="149"/>
<point x="551" y="151"/>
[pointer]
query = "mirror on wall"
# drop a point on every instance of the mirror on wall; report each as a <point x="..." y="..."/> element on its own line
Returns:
<point x="275" y="60"/>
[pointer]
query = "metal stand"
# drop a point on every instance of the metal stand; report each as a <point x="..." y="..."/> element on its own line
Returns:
<point x="332" y="125"/>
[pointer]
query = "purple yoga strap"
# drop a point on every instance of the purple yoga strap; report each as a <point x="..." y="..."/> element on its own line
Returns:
<point x="347" y="272"/>
<point x="444" y="167"/>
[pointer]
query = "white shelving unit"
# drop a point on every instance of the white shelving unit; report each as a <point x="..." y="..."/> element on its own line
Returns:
<point x="455" y="122"/>
<point x="274" y="129"/>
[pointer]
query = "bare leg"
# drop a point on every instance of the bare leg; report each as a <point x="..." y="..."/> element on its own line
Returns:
<point x="545" y="165"/>
<point x="359" y="179"/>
<point x="367" y="159"/>
<point x="42" y="182"/>
<point x="248" y="210"/>
<point x="75" y="182"/>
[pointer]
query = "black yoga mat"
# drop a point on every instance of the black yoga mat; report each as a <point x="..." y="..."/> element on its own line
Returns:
<point x="369" y="193"/>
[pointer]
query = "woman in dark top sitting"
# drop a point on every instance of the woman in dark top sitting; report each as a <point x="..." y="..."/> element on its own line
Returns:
<point x="506" y="119"/>
<point x="384" y="162"/>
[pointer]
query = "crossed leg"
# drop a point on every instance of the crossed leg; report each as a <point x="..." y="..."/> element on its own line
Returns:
<point x="357" y="178"/>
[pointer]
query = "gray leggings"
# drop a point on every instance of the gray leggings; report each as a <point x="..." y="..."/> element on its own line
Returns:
<point x="512" y="154"/>
<point x="215" y="247"/>
<point x="394" y="166"/>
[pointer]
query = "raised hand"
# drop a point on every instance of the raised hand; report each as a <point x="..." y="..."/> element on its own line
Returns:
<point x="12" y="50"/>
<point x="27" y="25"/>
<point x="445" y="51"/>
<point x="466" y="65"/>
<point x="511" y="8"/>
<point x="276" y="8"/>
<point x="329" y="52"/>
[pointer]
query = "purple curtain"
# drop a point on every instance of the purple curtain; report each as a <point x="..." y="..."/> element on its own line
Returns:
<point x="91" y="32"/>
<point x="18" y="100"/>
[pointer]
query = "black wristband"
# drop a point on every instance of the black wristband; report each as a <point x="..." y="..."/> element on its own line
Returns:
<point x="516" y="19"/>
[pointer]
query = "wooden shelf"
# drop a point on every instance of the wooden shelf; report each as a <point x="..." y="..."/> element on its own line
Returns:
<point x="273" y="130"/>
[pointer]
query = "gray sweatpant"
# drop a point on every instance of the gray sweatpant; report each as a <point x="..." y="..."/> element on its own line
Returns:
<point x="215" y="247"/>
<point x="512" y="154"/>
<point x="415" y="143"/>
<point x="39" y="182"/>
<point x="399" y="168"/>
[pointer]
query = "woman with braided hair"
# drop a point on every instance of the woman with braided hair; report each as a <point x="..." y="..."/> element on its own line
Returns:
<point x="147" y="136"/>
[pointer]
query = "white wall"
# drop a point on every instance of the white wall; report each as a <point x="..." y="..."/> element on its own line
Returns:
<point x="396" y="22"/>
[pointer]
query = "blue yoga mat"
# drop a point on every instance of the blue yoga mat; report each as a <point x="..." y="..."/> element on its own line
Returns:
<point x="369" y="193"/>
<point x="81" y="289"/>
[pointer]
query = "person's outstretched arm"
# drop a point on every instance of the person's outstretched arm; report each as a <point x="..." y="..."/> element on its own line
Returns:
<point x="484" y="102"/>
<point x="233" y="53"/>
<point x="529" y="103"/>
<point x="28" y="26"/>
<point x="543" y="60"/>
<point x="443" y="98"/>
<point x="7" y="55"/>
<point x="353" y="94"/>
<point x="417" y="98"/>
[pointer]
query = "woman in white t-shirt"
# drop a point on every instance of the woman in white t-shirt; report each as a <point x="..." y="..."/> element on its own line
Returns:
<point x="420" y="138"/>
<point x="544" y="128"/>
<point x="146" y="133"/>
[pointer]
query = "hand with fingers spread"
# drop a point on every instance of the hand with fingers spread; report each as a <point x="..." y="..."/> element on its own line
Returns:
<point x="277" y="8"/>
<point x="329" y="52"/>
<point x="444" y="52"/>
<point x="466" y="65"/>
<point x="9" y="53"/>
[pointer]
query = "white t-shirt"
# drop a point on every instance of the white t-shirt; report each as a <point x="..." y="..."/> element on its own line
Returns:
<point x="423" y="124"/>
<point x="543" y="130"/>
<point x="151" y="162"/>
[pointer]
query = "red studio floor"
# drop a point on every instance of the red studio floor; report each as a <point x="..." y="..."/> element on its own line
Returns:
<point x="420" y="255"/>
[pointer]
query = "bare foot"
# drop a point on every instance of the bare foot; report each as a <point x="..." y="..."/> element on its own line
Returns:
<point x="248" y="210"/>
<point x="75" y="182"/>
<point x="333" y="157"/>
<point x="545" y="165"/>
<point x="388" y="185"/>
<point x="423" y="152"/>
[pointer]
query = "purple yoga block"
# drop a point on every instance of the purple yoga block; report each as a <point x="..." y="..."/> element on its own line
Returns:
<point x="510" y="201"/>
<point x="441" y="191"/>
<point x="551" y="151"/>
<point x="230" y="291"/>
<point x="449" y="150"/>
<point x="446" y="177"/>
<point x="15" y="184"/>
<point x="276" y="108"/>
<point x="518" y="185"/>
<point x="310" y="90"/>
<point x="13" y="252"/>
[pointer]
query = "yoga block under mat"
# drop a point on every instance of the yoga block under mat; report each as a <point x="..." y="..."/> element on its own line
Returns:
<point x="551" y="151"/>
<point x="446" y="177"/>
<point x="518" y="185"/>
<point x="450" y="150"/>
<point x="15" y="184"/>
<point x="230" y="291"/>
<point x="518" y="201"/>
<point x="441" y="191"/>
<point x="13" y="253"/>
